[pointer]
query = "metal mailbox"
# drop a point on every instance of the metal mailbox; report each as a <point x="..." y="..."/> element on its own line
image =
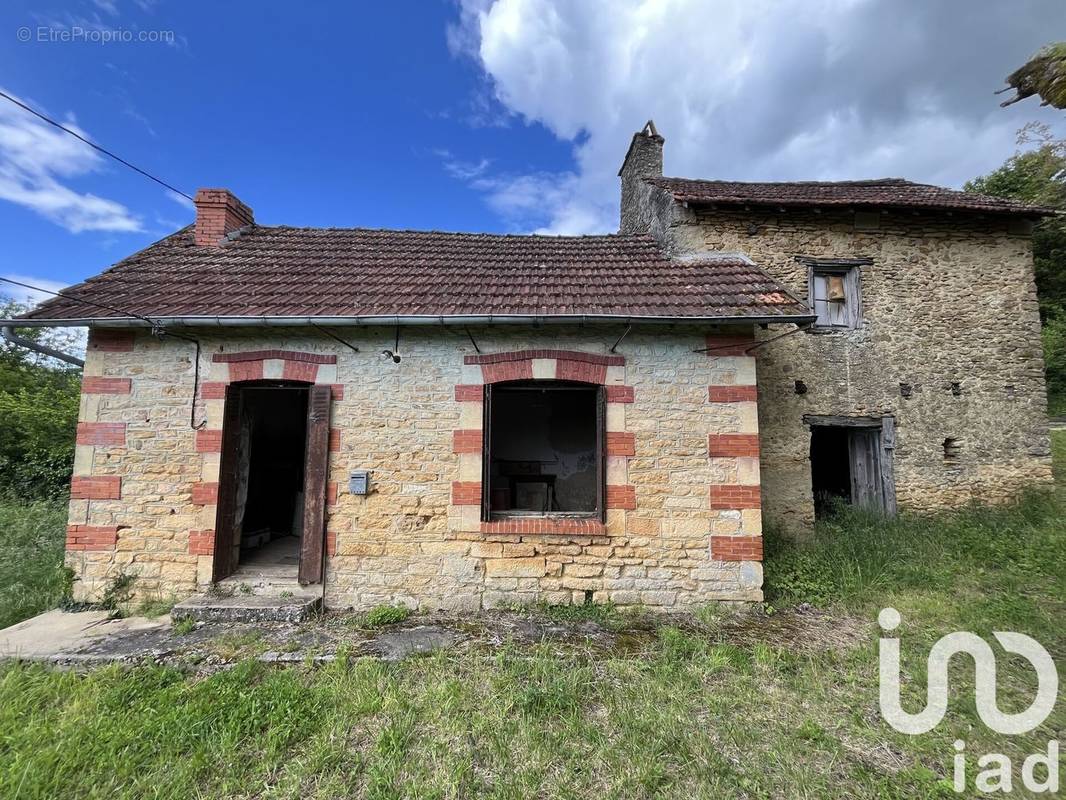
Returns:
<point x="359" y="482"/>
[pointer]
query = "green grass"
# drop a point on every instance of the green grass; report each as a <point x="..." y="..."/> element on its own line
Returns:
<point x="380" y="616"/>
<point x="32" y="576"/>
<point x="701" y="712"/>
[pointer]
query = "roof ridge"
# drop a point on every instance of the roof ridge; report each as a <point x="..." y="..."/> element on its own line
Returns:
<point x="475" y="234"/>
<point x="852" y="182"/>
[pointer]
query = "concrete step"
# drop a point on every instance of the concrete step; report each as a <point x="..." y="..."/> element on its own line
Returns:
<point x="247" y="608"/>
<point x="267" y="585"/>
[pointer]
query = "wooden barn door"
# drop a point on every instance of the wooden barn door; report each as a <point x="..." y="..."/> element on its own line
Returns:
<point x="866" y="484"/>
<point x="316" y="469"/>
<point x="227" y="534"/>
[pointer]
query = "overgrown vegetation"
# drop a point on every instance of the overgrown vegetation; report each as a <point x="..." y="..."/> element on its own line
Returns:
<point x="1038" y="176"/>
<point x="380" y="616"/>
<point x="32" y="576"/>
<point x="709" y="709"/>
<point x="39" y="409"/>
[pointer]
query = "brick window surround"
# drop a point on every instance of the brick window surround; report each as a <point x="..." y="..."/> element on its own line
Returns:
<point x="607" y="370"/>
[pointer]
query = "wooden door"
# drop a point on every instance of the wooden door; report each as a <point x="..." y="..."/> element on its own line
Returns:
<point x="486" y="455"/>
<point x="227" y="534"/>
<point x="864" y="445"/>
<point x="316" y="470"/>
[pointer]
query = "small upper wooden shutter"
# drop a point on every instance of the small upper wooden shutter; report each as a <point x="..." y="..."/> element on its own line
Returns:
<point x="226" y="533"/>
<point x="316" y="469"/>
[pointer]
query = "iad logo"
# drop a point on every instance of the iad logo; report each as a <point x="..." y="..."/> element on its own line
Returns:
<point x="997" y="773"/>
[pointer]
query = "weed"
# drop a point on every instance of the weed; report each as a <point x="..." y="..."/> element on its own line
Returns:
<point x="184" y="626"/>
<point x="380" y="616"/>
<point x="118" y="594"/>
<point x="603" y="613"/>
<point x="152" y="607"/>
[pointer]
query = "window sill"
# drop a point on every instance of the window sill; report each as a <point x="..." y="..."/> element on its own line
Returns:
<point x="546" y="525"/>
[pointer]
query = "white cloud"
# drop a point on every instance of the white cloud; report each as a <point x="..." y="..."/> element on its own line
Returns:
<point x="751" y="90"/>
<point x="35" y="159"/>
<point x="29" y="296"/>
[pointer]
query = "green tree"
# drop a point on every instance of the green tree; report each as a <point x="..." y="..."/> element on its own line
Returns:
<point x="1038" y="176"/>
<point x="39" y="409"/>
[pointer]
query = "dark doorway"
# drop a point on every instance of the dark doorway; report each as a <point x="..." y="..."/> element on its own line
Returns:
<point x="273" y="432"/>
<point x="544" y="449"/>
<point x="851" y="464"/>
<point x="830" y="469"/>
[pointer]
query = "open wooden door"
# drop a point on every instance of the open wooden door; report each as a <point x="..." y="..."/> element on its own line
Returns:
<point x="486" y="459"/>
<point x="316" y="469"/>
<point x="227" y="534"/>
<point x="864" y="445"/>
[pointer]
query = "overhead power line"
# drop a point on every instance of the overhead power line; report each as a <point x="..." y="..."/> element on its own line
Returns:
<point x="103" y="150"/>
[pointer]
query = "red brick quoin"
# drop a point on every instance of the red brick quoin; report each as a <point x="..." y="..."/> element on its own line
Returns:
<point x="733" y="394"/>
<point x="736" y="548"/>
<point x="109" y="340"/>
<point x="91" y="537"/>
<point x="466" y="493"/>
<point x="96" y="385"/>
<point x="209" y="441"/>
<point x="101" y="433"/>
<point x="733" y="445"/>
<point x="204" y="494"/>
<point x="98" y="488"/>
<point x="201" y="543"/>
<point x="466" y="441"/>
<point x="732" y="345"/>
<point x="729" y="497"/>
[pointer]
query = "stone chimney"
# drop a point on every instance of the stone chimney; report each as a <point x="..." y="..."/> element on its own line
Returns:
<point x="644" y="159"/>
<point x="219" y="212"/>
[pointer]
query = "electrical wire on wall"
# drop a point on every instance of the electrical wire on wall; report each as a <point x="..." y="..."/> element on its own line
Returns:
<point x="157" y="329"/>
<point x="757" y="345"/>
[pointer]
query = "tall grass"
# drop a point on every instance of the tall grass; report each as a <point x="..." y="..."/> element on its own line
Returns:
<point x="984" y="554"/>
<point x="32" y="575"/>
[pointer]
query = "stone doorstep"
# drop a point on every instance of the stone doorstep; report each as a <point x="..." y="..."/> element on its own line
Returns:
<point x="266" y="586"/>
<point x="247" y="608"/>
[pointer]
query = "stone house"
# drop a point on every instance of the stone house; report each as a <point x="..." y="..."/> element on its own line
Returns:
<point x="458" y="420"/>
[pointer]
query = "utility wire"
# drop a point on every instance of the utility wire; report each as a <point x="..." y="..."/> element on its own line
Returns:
<point x="106" y="152"/>
<point x="157" y="330"/>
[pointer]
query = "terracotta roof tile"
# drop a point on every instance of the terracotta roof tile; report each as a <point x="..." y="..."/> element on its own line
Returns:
<point x="349" y="272"/>
<point x="878" y="193"/>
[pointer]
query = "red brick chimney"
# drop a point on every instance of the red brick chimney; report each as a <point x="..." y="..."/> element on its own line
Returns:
<point x="218" y="212"/>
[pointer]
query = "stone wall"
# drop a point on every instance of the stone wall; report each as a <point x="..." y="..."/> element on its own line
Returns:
<point x="683" y="524"/>
<point x="949" y="310"/>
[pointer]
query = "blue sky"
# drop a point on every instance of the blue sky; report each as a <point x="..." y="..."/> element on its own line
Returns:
<point x="478" y="115"/>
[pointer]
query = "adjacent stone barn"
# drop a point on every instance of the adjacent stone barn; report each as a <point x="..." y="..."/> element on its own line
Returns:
<point x="458" y="421"/>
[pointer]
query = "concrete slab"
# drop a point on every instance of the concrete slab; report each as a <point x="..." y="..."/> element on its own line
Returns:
<point x="397" y="645"/>
<point x="49" y="634"/>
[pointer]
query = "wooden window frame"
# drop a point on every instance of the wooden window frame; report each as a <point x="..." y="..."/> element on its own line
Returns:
<point x="851" y="270"/>
<point x="600" y="512"/>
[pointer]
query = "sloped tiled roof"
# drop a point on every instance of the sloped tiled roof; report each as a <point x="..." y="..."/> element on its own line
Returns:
<point x="357" y="272"/>
<point x="878" y="193"/>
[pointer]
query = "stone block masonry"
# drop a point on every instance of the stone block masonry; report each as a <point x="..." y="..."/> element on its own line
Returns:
<point x="418" y="537"/>
<point x="948" y="347"/>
